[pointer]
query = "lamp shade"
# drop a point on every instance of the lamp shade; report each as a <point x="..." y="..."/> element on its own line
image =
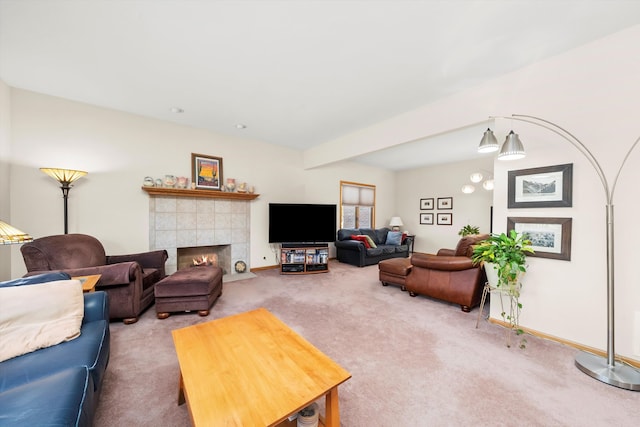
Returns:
<point x="396" y="221"/>
<point x="64" y="175"/>
<point x="512" y="148"/>
<point x="10" y="235"/>
<point x="488" y="143"/>
<point x="468" y="189"/>
<point x="476" y="177"/>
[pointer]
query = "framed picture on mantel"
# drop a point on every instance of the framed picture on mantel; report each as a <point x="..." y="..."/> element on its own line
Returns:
<point x="206" y="172"/>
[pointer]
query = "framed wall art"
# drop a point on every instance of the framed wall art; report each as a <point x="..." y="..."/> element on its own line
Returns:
<point x="546" y="187"/>
<point x="550" y="237"/>
<point x="445" y="219"/>
<point x="445" y="202"/>
<point x="206" y="172"/>
<point x="426" y="204"/>
<point x="426" y="218"/>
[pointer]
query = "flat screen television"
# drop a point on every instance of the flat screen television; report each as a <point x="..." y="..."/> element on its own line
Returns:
<point x="302" y="223"/>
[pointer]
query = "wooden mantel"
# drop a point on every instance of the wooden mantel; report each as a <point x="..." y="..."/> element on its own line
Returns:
<point x="209" y="194"/>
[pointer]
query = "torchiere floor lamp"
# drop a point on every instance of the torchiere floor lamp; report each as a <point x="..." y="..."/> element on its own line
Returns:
<point x="605" y="370"/>
<point x="65" y="177"/>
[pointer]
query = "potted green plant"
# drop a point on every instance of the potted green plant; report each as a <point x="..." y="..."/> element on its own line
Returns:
<point x="468" y="229"/>
<point x="504" y="257"/>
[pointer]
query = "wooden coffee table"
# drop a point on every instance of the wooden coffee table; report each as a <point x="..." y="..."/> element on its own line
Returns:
<point x="251" y="369"/>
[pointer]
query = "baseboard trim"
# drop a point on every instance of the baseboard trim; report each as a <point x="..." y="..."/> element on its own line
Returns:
<point x="629" y="361"/>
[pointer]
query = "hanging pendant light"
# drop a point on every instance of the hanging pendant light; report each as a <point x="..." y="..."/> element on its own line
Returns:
<point x="512" y="148"/>
<point x="488" y="143"/>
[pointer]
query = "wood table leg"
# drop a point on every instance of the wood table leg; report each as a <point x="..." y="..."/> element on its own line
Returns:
<point x="332" y="410"/>
<point x="181" y="399"/>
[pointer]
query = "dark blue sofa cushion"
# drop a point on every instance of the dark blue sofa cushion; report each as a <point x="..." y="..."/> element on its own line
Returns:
<point x="35" y="279"/>
<point x="90" y="349"/>
<point x="64" y="398"/>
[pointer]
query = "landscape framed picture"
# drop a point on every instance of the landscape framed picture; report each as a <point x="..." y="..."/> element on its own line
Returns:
<point x="426" y="218"/>
<point x="445" y="219"/>
<point x="550" y="237"/>
<point x="206" y="172"/>
<point x="426" y="204"/>
<point x="445" y="202"/>
<point x="546" y="187"/>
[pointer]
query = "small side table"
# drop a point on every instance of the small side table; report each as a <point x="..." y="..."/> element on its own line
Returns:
<point x="410" y="239"/>
<point x="88" y="282"/>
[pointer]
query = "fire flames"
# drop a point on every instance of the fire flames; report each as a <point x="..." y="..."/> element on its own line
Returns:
<point x="211" y="259"/>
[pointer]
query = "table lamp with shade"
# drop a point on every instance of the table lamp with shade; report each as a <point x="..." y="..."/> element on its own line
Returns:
<point x="395" y="223"/>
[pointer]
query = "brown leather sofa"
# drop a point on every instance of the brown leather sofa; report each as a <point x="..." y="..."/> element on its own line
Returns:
<point x="129" y="280"/>
<point x="449" y="275"/>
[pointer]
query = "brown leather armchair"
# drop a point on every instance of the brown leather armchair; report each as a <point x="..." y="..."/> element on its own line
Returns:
<point x="129" y="280"/>
<point x="449" y="275"/>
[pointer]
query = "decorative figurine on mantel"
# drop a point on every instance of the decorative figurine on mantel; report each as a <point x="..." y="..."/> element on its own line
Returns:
<point x="242" y="188"/>
<point x="231" y="184"/>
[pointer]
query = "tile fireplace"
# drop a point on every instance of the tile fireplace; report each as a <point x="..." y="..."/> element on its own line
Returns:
<point x="190" y="222"/>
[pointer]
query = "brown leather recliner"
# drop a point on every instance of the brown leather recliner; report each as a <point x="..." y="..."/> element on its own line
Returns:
<point x="449" y="275"/>
<point x="129" y="280"/>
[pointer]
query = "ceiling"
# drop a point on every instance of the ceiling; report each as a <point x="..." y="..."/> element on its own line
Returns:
<point x="295" y="73"/>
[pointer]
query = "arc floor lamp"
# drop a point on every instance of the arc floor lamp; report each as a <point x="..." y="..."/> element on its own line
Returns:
<point x="606" y="369"/>
<point x="65" y="177"/>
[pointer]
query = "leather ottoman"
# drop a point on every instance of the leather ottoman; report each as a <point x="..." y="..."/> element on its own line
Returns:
<point x="394" y="271"/>
<point x="189" y="289"/>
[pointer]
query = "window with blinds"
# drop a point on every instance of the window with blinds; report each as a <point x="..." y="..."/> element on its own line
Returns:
<point x="357" y="205"/>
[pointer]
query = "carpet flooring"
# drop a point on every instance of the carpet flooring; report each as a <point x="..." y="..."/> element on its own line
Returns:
<point x="414" y="361"/>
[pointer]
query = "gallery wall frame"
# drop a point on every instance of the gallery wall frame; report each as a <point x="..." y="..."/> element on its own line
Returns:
<point x="206" y="172"/>
<point x="445" y="203"/>
<point x="426" y="204"/>
<point x="544" y="187"/>
<point x="426" y="218"/>
<point x="445" y="218"/>
<point x="550" y="237"/>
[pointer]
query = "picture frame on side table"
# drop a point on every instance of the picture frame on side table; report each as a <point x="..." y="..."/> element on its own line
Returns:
<point x="445" y="203"/>
<point x="426" y="218"/>
<point x="546" y="187"/>
<point x="206" y="172"/>
<point x="426" y="204"/>
<point x="445" y="218"/>
<point x="550" y="237"/>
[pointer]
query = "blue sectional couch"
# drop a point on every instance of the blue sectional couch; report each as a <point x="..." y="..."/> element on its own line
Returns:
<point x="58" y="385"/>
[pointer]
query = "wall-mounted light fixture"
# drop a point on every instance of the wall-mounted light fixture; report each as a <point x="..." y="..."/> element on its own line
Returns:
<point x="605" y="370"/>
<point x="65" y="177"/>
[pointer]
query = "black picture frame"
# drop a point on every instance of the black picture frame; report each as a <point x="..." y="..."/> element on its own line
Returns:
<point x="206" y="172"/>
<point x="426" y="204"/>
<point x="426" y="218"/>
<point x="445" y="218"/>
<point x="550" y="237"/>
<point x="545" y="187"/>
<point x="445" y="203"/>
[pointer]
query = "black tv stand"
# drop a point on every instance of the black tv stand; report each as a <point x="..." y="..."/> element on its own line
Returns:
<point x="305" y="245"/>
<point x="304" y="258"/>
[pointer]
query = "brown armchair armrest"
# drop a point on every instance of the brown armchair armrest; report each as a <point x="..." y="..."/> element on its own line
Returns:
<point x="151" y="259"/>
<point x="110" y="275"/>
<point x="440" y="262"/>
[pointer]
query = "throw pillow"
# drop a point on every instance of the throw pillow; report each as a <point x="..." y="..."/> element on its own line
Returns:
<point x="362" y="239"/>
<point x="39" y="316"/>
<point x="371" y="242"/>
<point x="394" y="238"/>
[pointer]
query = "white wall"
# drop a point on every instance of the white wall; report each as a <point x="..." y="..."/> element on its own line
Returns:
<point x="119" y="150"/>
<point x="5" y="134"/>
<point x="443" y="181"/>
<point x="594" y="92"/>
